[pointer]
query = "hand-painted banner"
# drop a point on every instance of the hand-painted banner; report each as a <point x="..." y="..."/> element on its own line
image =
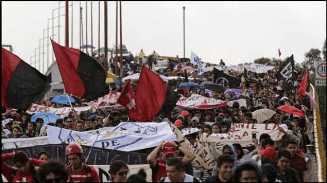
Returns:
<point x="109" y="100"/>
<point x="240" y="133"/>
<point x="127" y="136"/>
<point x="196" y="101"/>
<point x="63" y="112"/>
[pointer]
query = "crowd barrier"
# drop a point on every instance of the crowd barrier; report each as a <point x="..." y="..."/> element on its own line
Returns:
<point x="319" y="146"/>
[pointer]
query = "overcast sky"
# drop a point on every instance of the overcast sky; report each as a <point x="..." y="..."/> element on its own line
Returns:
<point x="236" y="32"/>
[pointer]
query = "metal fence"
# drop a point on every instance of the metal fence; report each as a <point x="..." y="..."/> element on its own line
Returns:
<point x="319" y="144"/>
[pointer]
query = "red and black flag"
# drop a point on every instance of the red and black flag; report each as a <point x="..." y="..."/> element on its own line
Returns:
<point x="304" y="89"/>
<point x="150" y="96"/>
<point x="82" y="75"/>
<point x="21" y="84"/>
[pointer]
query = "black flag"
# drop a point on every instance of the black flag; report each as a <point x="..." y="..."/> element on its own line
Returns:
<point x="222" y="79"/>
<point x="248" y="78"/>
<point x="287" y="71"/>
<point x="21" y="83"/>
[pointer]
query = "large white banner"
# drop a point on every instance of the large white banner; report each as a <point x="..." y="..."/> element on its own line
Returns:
<point x="104" y="169"/>
<point x="196" y="101"/>
<point x="127" y="136"/>
<point x="240" y="133"/>
<point x="63" y="112"/>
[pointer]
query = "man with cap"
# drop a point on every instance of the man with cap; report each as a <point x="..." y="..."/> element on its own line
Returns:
<point x="78" y="170"/>
<point x="167" y="150"/>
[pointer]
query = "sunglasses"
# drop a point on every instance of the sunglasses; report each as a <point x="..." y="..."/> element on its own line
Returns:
<point x="122" y="174"/>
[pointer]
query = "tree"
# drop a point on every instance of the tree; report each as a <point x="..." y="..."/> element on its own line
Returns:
<point x="311" y="57"/>
<point x="324" y="51"/>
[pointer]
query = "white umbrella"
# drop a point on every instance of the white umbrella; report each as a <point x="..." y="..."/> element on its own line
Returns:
<point x="262" y="115"/>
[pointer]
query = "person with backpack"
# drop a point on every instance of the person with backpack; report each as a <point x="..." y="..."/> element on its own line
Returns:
<point x="25" y="167"/>
<point x="78" y="170"/>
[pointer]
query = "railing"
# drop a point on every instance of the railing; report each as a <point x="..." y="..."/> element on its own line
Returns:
<point x="319" y="146"/>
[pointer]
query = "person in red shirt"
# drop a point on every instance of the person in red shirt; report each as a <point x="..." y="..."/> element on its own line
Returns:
<point x="78" y="170"/>
<point x="25" y="171"/>
<point x="167" y="150"/>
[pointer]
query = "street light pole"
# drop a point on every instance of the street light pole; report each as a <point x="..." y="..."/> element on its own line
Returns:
<point x="184" y="29"/>
<point x="67" y="26"/>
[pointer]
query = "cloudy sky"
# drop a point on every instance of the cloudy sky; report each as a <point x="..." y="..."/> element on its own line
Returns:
<point x="236" y="32"/>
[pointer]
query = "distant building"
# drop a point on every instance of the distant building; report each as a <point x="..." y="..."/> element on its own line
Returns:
<point x="57" y="85"/>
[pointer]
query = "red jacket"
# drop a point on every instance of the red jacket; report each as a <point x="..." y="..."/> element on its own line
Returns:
<point x="87" y="174"/>
<point x="7" y="170"/>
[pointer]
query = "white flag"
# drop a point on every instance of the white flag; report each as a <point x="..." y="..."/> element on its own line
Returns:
<point x="195" y="59"/>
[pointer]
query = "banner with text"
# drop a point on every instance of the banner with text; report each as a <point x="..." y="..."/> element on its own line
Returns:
<point x="240" y="133"/>
<point x="63" y="112"/>
<point x="127" y="136"/>
<point x="196" y="101"/>
<point x="109" y="100"/>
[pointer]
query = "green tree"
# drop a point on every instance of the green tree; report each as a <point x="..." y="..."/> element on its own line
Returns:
<point x="311" y="57"/>
<point x="324" y="51"/>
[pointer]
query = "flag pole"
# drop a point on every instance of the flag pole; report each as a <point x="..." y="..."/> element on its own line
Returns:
<point x="116" y="38"/>
<point x="121" y="43"/>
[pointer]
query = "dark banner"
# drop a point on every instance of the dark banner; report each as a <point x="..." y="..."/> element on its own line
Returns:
<point x="97" y="156"/>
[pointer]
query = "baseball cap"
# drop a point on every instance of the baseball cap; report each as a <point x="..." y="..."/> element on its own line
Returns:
<point x="178" y="123"/>
<point x="185" y="113"/>
<point x="270" y="153"/>
<point x="168" y="148"/>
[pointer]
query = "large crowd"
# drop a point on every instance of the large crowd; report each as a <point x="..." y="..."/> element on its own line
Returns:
<point x="265" y="161"/>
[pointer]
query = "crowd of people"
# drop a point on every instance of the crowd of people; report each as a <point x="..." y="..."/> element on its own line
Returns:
<point x="266" y="161"/>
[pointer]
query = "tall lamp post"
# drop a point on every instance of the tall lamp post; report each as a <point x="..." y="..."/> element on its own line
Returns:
<point x="184" y="30"/>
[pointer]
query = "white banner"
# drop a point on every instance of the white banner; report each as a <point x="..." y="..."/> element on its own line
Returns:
<point x="13" y="143"/>
<point x="240" y="133"/>
<point x="104" y="169"/>
<point x="127" y="136"/>
<point x="109" y="100"/>
<point x="63" y="112"/>
<point x="200" y="102"/>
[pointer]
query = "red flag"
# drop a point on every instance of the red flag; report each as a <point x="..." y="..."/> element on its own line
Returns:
<point x="304" y="89"/>
<point x="127" y="97"/>
<point x="303" y="86"/>
<point x="151" y="93"/>
<point x="82" y="75"/>
<point x="21" y="84"/>
<point x="279" y="53"/>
